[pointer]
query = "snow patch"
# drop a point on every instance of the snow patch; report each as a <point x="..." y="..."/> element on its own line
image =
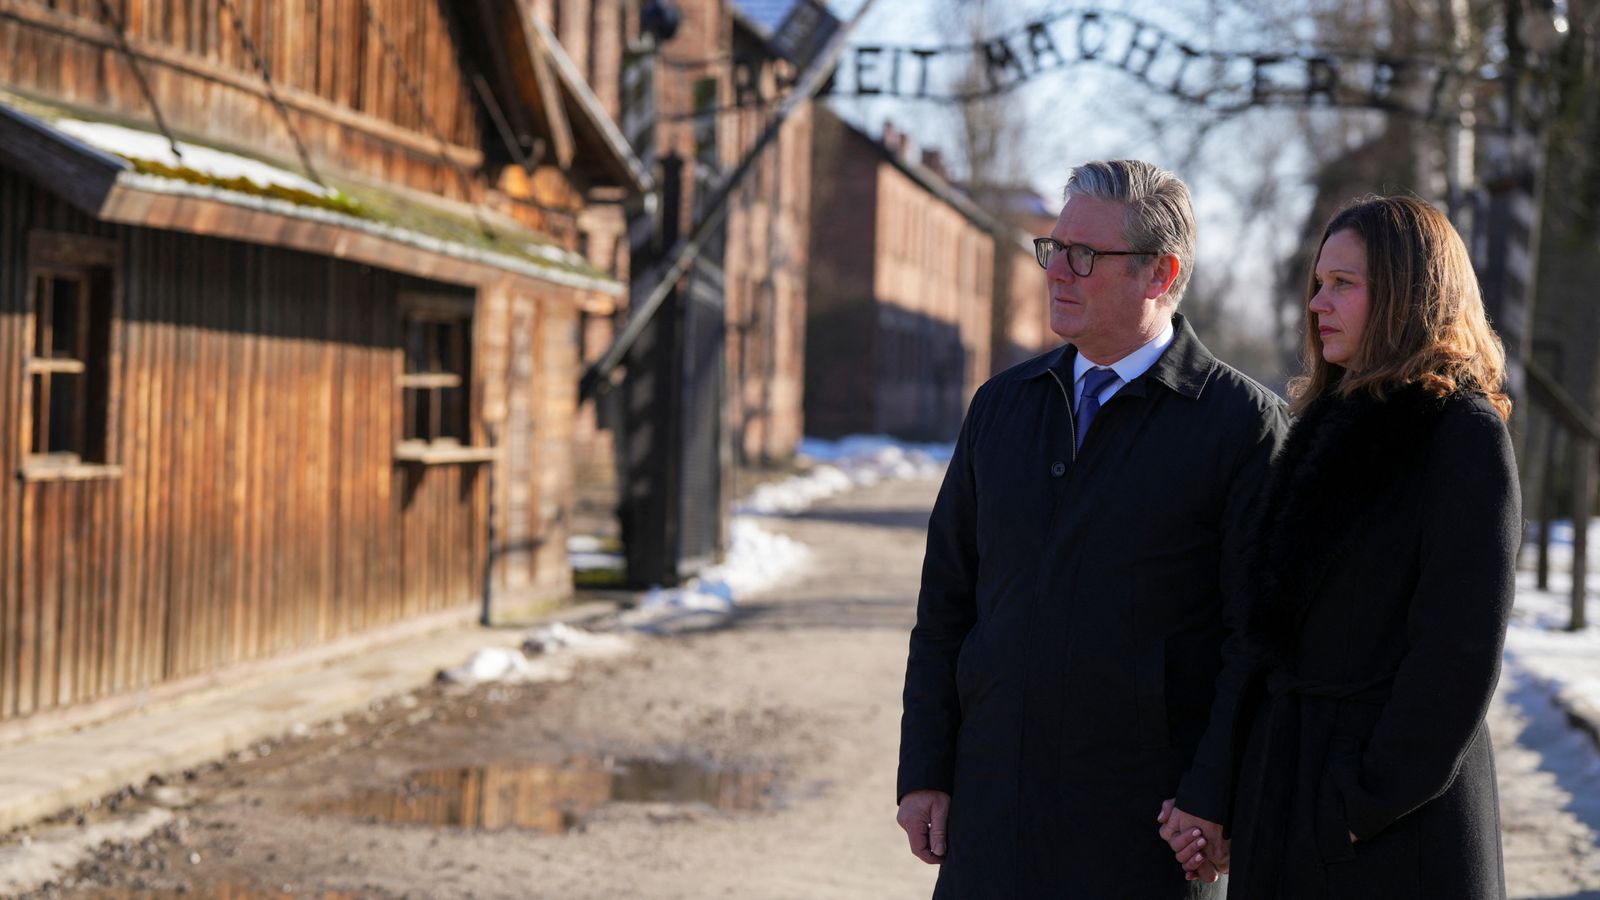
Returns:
<point x="136" y="144"/>
<point x="562" y="638"/>
<point x="1566" y="664"/>
<point x="507" y="664"/>
<point x="855" y="461"/>
<point x="757" y="561"/>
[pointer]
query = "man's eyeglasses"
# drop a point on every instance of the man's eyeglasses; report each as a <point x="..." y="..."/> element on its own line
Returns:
<point x="1080" y="258"/>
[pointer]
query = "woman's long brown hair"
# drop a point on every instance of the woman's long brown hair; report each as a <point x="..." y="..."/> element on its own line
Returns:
<point x="1425" y="319"/>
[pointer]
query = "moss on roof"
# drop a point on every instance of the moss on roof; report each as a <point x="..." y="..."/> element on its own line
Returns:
<point x="338" y="202"/>
<point x="389" y="209"/>
<point x="367" y="204"/>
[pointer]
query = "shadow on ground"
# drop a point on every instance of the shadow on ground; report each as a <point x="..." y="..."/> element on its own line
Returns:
<point x="909" y="518"/>
<point x="1565" y="752"/>
<point x="844" y="612"/>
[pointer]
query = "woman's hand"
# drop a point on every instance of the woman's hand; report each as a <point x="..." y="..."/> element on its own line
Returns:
<point x="1197" y="844"/>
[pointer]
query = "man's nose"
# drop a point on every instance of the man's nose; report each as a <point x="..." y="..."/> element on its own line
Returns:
<point x="1058" y="269"/>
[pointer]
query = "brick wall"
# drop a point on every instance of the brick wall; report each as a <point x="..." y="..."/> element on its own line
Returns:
<point x="841" y="348"/>
<point x="766" y="256"/>
<point x="900" y="295"/>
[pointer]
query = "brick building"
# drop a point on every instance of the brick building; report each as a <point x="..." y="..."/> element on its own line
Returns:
<point x="716" y="83"/>
<point x="769" y="223"/>
<point x="900" y="291"/>
<point x="1021" y="319"/>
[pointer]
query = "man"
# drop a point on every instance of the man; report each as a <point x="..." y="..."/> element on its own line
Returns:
<point x="1080" y="556"/>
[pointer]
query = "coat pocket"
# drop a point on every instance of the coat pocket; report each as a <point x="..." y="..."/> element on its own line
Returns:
<point x="1331" y="826"/>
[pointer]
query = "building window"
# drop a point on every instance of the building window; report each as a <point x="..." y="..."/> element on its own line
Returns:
<point x="435" y="387"/>
<point x="705" y="123"/>
<point x="71" y="305"/>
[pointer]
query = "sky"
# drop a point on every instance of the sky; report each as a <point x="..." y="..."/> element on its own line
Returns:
<point x="1082" y="112"/>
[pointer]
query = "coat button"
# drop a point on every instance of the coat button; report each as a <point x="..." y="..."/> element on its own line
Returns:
<point x="1058" y="469"/>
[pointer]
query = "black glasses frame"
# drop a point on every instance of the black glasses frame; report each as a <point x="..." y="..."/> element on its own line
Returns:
<point x="1045" y="249"/>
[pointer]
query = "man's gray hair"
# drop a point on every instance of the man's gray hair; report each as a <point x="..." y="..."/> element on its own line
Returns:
<point x="1160" y="214"/>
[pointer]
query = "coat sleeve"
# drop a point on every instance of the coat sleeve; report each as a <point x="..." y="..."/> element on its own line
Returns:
<point x="1206" y="788"/>
<point x="946" y="611"/>
<point x="1455" y="627"/>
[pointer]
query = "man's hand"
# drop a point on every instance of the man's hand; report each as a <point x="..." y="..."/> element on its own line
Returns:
<point x="923" y="814"/>
<point x="1197" y="843"/>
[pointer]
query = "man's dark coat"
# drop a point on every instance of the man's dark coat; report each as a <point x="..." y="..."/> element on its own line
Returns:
<point x="1385" y="578"/>
<point x="1071" y="617"/>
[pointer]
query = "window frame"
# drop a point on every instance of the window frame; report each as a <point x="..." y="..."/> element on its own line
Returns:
<point x="94" y="263"/>
<point x="442" y="448"/>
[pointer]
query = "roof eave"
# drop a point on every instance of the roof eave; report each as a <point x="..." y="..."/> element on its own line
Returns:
<point x="110" y="189"/>
<point x="600" y="128"/>
<point x="72" y="170"/>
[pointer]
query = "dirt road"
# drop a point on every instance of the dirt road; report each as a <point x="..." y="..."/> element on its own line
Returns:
<point x="756" y="761"/>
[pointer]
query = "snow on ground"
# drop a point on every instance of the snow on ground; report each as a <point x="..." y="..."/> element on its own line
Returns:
<point x="855" y="461"/>
<point x="136" y="144"/>
<point x="1552" y="677"/>
<point x="587" y="552"/>
<point x="1565" y="663"/>
<point x="757" y="560"/>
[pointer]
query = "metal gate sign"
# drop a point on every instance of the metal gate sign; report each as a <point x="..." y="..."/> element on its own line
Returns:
<point x="1220" y="80"/>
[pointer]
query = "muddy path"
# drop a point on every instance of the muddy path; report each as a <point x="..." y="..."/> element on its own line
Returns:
<point x="753" y="761"/>
<point x="756" y="761"/>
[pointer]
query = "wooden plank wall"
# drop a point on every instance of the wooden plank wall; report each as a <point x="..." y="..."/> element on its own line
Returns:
<point x="326" y="60"/>
<point x="529" y="366"/>
<point x="259" y="508"/>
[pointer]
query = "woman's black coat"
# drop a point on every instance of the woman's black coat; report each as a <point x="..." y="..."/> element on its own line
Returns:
<point x="1386" y="575"/>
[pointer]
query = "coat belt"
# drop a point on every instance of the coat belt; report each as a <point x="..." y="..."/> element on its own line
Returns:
<point x="1373" y="691"/>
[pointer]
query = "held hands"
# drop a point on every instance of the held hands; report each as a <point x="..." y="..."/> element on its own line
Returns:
<point x="1197" y="843"/>
<point x="923" y="814"/>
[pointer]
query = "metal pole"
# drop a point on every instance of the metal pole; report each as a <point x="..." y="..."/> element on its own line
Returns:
<point x="1547" y="498"/>
<point x="1583" y="454"/>
<point x="684" y="253"/>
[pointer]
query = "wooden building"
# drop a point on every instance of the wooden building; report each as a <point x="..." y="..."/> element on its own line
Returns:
<point x="900" y="289"/>
<point x="289" y="310"/>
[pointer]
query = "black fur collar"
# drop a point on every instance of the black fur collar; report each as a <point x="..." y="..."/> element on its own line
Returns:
<point x="1342" y="459"/>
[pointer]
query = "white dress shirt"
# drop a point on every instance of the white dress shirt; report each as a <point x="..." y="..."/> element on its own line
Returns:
<point x="1127" y="368"/>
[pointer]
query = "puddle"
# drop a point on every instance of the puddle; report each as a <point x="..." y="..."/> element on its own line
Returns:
<point x="550" y="798"/>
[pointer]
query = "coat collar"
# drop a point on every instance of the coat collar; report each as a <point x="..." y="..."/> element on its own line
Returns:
<point x="1184" y="368"/>
<point x="1342" y="465"/>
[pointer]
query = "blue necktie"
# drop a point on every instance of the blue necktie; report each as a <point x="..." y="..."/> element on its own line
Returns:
<point x="1094" y="381"/>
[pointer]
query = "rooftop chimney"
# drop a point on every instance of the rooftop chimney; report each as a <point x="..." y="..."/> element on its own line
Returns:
<point x="895" y="139"/>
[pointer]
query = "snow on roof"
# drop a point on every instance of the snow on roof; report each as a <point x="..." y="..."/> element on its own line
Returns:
<point x="146" y="145"/>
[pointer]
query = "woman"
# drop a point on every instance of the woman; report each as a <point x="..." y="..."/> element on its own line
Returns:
<point x="1386" y="552"/>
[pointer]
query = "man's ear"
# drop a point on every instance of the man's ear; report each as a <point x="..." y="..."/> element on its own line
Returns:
<point x="1162" y="275"/>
